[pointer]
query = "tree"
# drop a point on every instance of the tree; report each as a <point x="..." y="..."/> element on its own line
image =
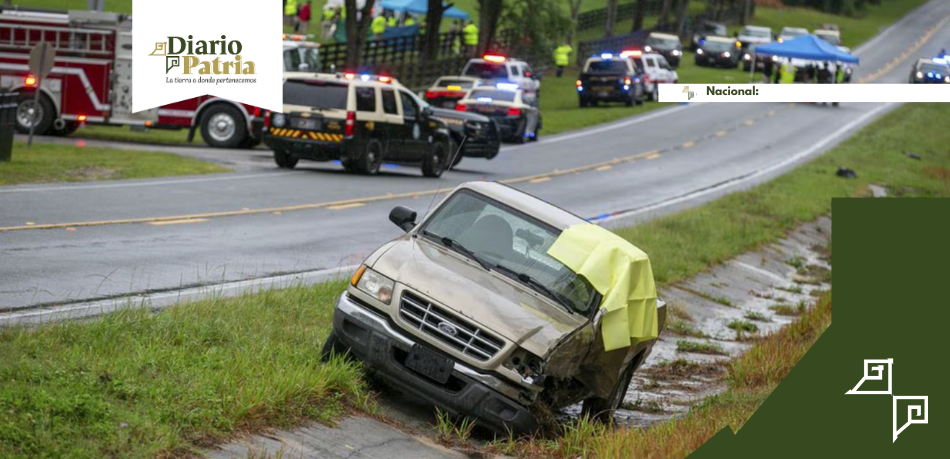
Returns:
<point x="488" y="14"/>
<point x="534" y="27"/>
<point x="430" y="44"/>
<point x="575" y="12"/>
<point x="638" y="13"/>
<point x="611" y="17"/>
<point x="682" y="8"/>
<point x="357" y="24"/>
<point x="664" y="20"/>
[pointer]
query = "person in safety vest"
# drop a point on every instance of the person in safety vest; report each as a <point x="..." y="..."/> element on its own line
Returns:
<point x="392" y="21"/>
<point x="410" y="21"/>
<point x="470" y="37"/>
<point x="327" y="22"/>
<point x="562" y="57"/>
<point x="290" y="14"/>
<point x="378" y="27"/>
<point x="788" y="73"/>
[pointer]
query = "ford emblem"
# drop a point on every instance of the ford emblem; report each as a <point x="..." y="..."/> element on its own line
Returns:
<point x="448" y="328"/>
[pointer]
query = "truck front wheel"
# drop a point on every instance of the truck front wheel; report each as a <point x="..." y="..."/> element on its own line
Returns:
<point x="223" y="126"/>
<point x="602" y="409"/>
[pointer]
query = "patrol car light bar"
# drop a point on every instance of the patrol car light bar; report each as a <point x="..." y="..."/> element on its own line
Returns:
<point x="496" y="58"/>
<point x="606" y="56"/>
<point x="631" y="53"/>
<point x="507" y="86"/>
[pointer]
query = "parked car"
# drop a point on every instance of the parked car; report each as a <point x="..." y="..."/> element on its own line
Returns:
<point x="667" y="45"/>
<point x="472" y="135"/>
<point x="517" y="120"/>
<point x="447" y="90"/>
<point x="476" y="310"/>
<point x="609" y="78"/>
<point x="789" y="33"/>
<point x="760" y="59"/>
<point x="655" y="70"/>
<point x="707" y="29"/>
<point x="754" y="35"/>
<point x="928" y="71"/>
<point x="718" y="52"/>
<point x="831" y="36"/>
<point x="360" y="120"/>
<point x="495" y="68"/>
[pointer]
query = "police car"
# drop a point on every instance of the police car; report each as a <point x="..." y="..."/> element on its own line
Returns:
<point x="448" y="90"/>
<point x="517" y="119"/>
<point x="718" y="52"/>
<point x="609" y="78"/>
<point x="656" y="70"/>
<point x="930" y="71"/>
<point x="667" y="45"/>
<point x="360" y="120"/>
<point x="495" y="68"/>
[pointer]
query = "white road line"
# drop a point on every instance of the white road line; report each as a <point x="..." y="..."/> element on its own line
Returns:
<point x="747" y="178"/>
<point x="99" y="186"/>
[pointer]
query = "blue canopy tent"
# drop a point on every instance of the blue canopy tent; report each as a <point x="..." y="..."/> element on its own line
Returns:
<point x="421" y="7"/>
<point x="808" y="47"/>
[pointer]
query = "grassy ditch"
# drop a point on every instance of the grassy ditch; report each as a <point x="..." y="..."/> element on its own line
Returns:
<point x="68" y="163"/>
<point x="136" y="384"/>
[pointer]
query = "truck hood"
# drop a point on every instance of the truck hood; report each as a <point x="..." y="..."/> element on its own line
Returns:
<point x="457" y="115"/>
<point x="495" y="302"/>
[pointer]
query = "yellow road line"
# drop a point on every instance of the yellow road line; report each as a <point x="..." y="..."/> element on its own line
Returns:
<point x="907" y="53"/>
<point x="177" y="222"/>
<point x="540" y="180"/>
<point x="351" y="205"/>
<point x="722" y="134"/>
<point x="688" y="144"/>
<point x="653" y="155"/>
<point x="604" y="168"/>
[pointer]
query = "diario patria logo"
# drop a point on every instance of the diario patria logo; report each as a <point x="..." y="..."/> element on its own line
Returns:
<point x="207" y="57"/>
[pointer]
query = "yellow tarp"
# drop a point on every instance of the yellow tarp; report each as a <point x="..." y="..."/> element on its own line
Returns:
<point x="621" y="273"/>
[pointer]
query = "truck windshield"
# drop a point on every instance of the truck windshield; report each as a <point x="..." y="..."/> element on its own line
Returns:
<point x="611" y="66"/>
<point x="717" y="45"/>
<point x="316" y="94"/>
<point x="663" y="43"/>
<point x="512" y="244"/>
<point x="486" y="70"/>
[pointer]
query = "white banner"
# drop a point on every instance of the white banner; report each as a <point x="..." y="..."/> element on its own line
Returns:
<point x="227" y="48"/>
<point x="804" y="92"/>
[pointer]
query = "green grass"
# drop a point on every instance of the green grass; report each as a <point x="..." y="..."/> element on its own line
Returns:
<point x="138" y="384"/>
<point x="67" y="163"/>
<point x="699" y="348"/>
<point x="124" y="133"/>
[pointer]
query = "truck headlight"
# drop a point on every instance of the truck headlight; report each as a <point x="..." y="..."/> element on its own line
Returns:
<point x="676" y="52"/>
<point x="279" y="120"/>
<point x="373" y="283"/>
<point x="920" y="74"/>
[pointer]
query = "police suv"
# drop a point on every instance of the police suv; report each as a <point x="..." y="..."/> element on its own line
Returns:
<point x="360" y="120"/>
<point x="494" y="68"/>
<point x="609" y="78"/>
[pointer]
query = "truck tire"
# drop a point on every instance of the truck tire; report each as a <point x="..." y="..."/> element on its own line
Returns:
<point x="28" y="110"/>
<point x="284" y="160"/>
<point x="435" y="161"/>
<point x="602" y="409"/>
<point x="371" y="158"/>
<point x="454" y="153"/>
<point x="332" y="347"/>
<point x="68" y="127"/>
<point x="223" y="126"/>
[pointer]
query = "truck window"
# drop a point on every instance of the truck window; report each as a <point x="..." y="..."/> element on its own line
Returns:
<point x="409" y="109"/>
<point x="365" y="99"/>
<point x="611" y="66"/>
<point x="389" y="102"/>
<point x="487" y="70"/>
<point x="291" y="60"/>
<point x="316" y="94"/>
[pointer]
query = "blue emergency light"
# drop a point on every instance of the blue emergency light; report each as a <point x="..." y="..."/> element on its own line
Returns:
<point x="606" y="56"/>
<point x="507" y="86"/>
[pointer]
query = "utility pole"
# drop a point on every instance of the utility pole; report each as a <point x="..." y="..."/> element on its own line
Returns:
<point x="95" y="5"/>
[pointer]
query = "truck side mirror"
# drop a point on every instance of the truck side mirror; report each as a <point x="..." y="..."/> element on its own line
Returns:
<point x="403" y="217"/>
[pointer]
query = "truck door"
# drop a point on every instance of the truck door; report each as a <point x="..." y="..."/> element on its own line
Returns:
<point x="120" y="94"/>
<point x="417" y="134"/>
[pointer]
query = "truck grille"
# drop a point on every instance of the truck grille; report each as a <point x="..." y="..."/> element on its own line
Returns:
<point x="458" y="333"/>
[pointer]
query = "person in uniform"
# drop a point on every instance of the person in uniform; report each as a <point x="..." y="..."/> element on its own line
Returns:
<point x="562" y="57"/>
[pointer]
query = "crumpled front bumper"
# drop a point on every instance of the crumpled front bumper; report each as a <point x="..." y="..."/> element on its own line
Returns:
<point x="381" y="347"/>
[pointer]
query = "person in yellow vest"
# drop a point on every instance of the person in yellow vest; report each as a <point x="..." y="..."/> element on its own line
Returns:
<point x="470" y="37"/>
<point x="392" y="21"/>
<point x="327" y="21"/>
<point x="788" y="73"/>
<point x="378" y="27"/>
<point x="410" y="21"/>
<point x="290" y="14"/>
<point x="562" y="57"/>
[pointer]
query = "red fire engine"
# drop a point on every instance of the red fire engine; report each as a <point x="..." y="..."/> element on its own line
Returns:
<point x="91" y="81"/>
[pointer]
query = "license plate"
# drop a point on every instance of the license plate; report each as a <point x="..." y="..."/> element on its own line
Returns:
<point x="429" y="364"/>
<point x="603" y="93"/>
<point x="303" y="123"/>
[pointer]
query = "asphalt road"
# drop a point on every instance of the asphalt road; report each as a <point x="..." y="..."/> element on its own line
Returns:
<point x="99" y="240"/>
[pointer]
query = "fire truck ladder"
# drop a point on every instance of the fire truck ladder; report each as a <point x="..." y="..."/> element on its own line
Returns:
<point x="65" y="40"/>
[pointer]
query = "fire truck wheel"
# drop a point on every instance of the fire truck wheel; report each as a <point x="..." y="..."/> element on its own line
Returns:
<point x="222" y="126"/>
<point x="284" y="160"/>
<point x="28" y="111"/>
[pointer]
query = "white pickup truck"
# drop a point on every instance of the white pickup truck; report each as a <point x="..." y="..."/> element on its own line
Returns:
<point x="656" y="70"/>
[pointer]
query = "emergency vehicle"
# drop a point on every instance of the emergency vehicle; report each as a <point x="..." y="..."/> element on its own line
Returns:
<point x="91" y="81"/>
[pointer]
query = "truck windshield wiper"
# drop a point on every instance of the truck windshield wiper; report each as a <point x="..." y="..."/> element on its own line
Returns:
<point x="453" y="244"/>
<point x="537" y="286"/>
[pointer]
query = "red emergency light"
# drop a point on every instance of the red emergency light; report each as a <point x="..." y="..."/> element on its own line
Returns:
<point x="496" y="58"/>
<point x="349" y="75"/>
<point x="385" y="79"/>
<point x="631" y="53"/>
<point x="81" y="118"/>
<point x="514" y="111"/>
<point x="30" y="81"/>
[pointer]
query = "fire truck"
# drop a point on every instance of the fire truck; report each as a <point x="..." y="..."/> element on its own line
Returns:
<point x="91" y="81"/>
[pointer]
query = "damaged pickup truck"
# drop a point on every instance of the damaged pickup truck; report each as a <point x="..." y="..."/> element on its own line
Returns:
<point x="498" y="303"/>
